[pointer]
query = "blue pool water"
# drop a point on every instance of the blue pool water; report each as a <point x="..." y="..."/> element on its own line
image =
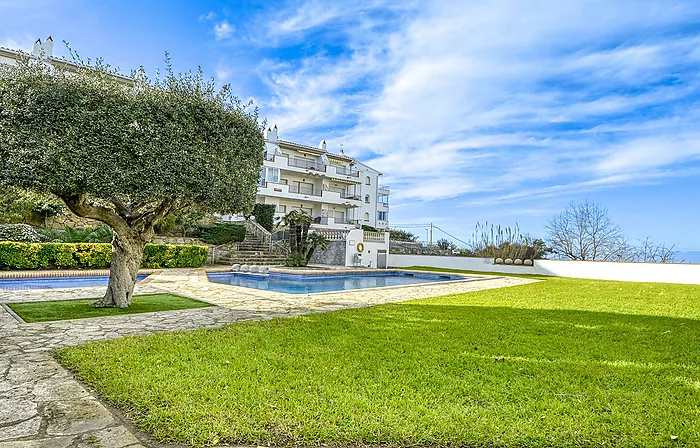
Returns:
<point x="305" y="284"/>
<point x="58" y="282"/>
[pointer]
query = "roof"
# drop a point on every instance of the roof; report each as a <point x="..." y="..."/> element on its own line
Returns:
<point x="13" y="54"/>
<point x="312" y="148"/>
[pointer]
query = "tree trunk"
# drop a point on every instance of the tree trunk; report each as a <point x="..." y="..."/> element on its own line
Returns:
<point x="127" y="252"/>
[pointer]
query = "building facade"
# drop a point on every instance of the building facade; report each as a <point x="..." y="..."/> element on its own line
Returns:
<point x="338" y="191"/>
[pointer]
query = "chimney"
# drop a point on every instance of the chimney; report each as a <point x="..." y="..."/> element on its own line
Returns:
<point x="271" y="134"/>
<point x="322" y="145"/>
<point x="48" y="47"/>
<point x="36" y="49"/>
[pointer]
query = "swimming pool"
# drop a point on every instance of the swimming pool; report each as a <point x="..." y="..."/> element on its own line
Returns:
<point x="57" y="282"/>
<point x="305" y="284"/>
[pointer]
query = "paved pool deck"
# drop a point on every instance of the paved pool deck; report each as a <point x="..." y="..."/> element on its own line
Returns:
<point x="43" y="405"/>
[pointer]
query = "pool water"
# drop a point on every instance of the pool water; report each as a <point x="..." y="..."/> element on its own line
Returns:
<point x="305" y="284"/>
<point x="57" y="282"/>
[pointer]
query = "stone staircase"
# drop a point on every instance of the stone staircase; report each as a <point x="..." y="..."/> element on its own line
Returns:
<point x="252" y="251"/>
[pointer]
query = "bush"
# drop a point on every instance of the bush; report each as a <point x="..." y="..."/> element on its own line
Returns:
<point x="295" y="260"/>
<point x="22" y="233"/>
<point x="265" y="215"/>
<point x="16" y="255"/>
<point x="100" y="234"/>
<point x="222" y="233"/>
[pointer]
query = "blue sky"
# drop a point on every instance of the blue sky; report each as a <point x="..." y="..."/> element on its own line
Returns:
<point x="498" y="111"/>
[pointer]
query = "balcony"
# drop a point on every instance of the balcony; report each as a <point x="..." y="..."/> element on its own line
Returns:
<point x="310" y="194"/>
<point x="311" y="167"/>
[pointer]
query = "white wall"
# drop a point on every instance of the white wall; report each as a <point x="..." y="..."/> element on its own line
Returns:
<point x="600" y="270"/>
<point x="369" y="253"/>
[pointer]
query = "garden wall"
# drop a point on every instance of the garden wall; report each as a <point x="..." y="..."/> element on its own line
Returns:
<point x="600" y="270"/>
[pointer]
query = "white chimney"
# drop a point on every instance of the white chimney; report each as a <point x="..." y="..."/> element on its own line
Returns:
<point x="271" y="134"/>
<point x="322" y="145"/>
<point x="36" y="49"/>
<point x="48" y="47"/>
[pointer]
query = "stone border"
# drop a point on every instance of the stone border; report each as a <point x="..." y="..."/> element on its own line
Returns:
<point x="65" y="273"/>
<point x="12" y="313"/>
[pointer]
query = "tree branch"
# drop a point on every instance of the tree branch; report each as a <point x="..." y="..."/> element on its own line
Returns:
<point x="79" y="205"/>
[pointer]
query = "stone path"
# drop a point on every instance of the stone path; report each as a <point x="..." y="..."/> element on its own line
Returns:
<point x="42" y="405"/>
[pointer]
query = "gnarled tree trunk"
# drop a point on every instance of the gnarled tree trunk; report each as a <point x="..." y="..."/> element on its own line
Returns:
<point x="127" y="252"/>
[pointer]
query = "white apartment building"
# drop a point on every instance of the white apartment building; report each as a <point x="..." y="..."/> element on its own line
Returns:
<point x="338" y="191"/>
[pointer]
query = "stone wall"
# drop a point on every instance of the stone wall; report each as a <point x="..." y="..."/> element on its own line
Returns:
<point x="71" y="220"/>
<point x="334" y="255"/>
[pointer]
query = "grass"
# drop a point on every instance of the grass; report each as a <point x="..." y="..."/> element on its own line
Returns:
<point x="561" y="362"/>
<point x="80" y="309"/>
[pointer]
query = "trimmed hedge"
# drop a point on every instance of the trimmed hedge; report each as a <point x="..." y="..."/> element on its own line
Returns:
<point x="14" y="256"/>
<point x="222" y="233"/>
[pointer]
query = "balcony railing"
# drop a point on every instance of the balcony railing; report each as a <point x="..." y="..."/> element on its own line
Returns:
<point x="346" y="171"/>
<point x="307" y="164"/>
<point x="298" y="189"/>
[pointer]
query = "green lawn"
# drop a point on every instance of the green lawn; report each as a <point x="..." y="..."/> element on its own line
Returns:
<point x="79" y="309"/>
<point x="561" y="362"/>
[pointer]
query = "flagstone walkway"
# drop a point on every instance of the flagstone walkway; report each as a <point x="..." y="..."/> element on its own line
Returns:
<point x="42" y="405"/>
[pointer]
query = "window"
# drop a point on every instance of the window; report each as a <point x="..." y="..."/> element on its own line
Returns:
<point x="368" y="181"/>
<point x="281" y="208"/>
<point x="367" y="216"/>
<point x="383" y="199"/>
<point x="269" y="175"/>
<point x="382" y="216"/>
<point x="367" y="198"/>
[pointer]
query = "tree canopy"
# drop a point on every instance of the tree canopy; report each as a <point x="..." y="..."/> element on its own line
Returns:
<point x="127" y="151"/>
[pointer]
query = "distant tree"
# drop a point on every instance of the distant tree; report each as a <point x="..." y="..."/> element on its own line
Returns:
<point x="402" y="235"/>
<point x="127" y="152"/>
<point x="650" y="252"/>
<point x="445" y="244"/>
<point x="585" y="231"/>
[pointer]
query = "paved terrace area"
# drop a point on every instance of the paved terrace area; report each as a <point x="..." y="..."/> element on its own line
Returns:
<point x="42" y="405"/>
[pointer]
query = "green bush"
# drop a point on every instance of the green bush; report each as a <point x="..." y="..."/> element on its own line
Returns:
<point x="222" y="233"/>
<point x="265" y="215"/>
<point x="14" y="256"/>
<point x="22" y="233"/>
<point x="295" y="259"/>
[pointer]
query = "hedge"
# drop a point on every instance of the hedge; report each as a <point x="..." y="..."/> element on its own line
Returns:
<point x="15" y="255"/>
<point x="222" y="233"/>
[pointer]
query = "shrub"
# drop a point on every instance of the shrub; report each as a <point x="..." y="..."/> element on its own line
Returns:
<point x="16" y="255"/>
<point x="265" y="215"/>
<point x="222" y="233"/>
<point x="296" y="259"/>
<point x="22" y="233"/>
<point x="100" y="234"/>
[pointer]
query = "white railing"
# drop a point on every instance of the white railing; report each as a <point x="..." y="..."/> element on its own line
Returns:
<point x="260" y="232"/>
<point x="333" y="234"/>
<point x="374" y="237"/>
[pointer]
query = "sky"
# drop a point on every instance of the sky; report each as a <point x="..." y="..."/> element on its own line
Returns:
<point x="474" y="111"/>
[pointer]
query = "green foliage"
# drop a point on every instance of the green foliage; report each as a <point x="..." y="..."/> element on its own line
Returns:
<point x="173" y="256"/>
<point x="367" y="228"/>
<point x="445" y="244"/>
<point x="295" y="259"/>
<point x="101" y="234"/>
<point x="312" y="242"/>
<point x="265" y="215"/>
<point x="24" y="206"/>
<point x="222" y="233"/>
<point x="402" y="235"/>
<point x="22" y="233"/>
<point x="16" y="256"/>
<point x="176" y="138"/>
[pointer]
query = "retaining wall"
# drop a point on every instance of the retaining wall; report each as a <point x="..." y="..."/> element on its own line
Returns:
<point x="600" y="270"/>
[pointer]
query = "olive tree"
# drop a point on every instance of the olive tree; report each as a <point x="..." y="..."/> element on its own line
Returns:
<point x="127" y="151"/>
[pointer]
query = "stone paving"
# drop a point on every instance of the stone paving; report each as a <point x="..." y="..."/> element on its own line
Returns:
<point x="42" y="405"/>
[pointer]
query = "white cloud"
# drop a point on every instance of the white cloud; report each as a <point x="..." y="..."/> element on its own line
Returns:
<point x="208" y="16"/>
<point x="490" y="97"/>
<point x="223" y="30"/>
